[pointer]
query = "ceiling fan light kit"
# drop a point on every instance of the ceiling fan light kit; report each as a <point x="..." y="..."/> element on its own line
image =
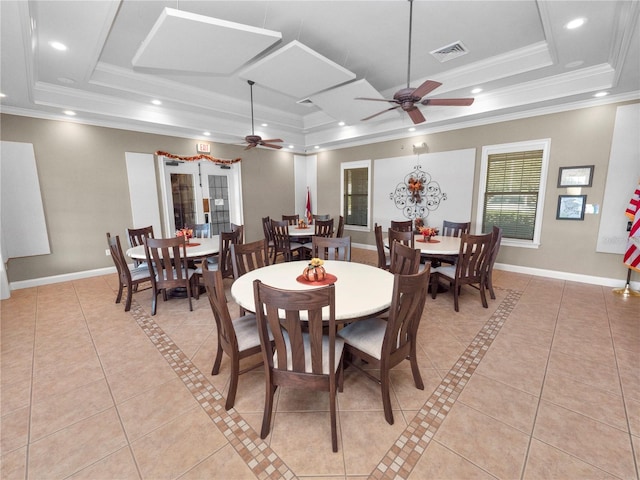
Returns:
<point x="408" y="97"/>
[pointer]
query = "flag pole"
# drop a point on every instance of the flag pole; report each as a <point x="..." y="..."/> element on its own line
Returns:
<point x="627" y="291"/>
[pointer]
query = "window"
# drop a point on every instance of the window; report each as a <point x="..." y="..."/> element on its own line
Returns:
<point x="355" y="192"/>
<point x="512" y="185"/>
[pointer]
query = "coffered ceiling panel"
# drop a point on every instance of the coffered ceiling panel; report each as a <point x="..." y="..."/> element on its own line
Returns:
<point x="188" y="42"/>
<point x="297" y="70"/>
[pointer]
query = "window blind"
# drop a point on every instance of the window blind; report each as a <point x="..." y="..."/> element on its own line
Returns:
<point x="511" y="193"/>
<point x="356" y="193"/>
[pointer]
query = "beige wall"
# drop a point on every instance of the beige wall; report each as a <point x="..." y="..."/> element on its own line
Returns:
<point x="578" y="137"/>
<point x="84" y="185"/>
<point x="83" y="180"/>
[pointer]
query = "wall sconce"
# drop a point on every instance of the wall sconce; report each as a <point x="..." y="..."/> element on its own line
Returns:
<point x="420" y="147"/>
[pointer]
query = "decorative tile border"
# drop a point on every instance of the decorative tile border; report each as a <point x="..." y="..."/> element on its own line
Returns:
<point x="404" y="454"/>
<point x="258" y="456"/>
<point x="399" y="460"/>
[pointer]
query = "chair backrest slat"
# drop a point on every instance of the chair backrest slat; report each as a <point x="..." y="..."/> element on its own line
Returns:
<point x="246" y="257"/>
<point x="329" y="248"/>
<point x="382" y="255"/>
<point x="324" y="228"/>
<point x="455" y="229"/>
<point x="291" y="219"/>
<point x="405" y="237"/>
<point x="340" y="229"/>
<point x="404" y="259"/>
<point x="402" y="225"/>
<point x="472" y="258"/>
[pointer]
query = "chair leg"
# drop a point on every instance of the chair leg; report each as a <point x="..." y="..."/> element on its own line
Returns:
<point x="332" y="408"/>
<point x="218" y="360"/>
<point x="434" y="285"/>
<point x="268" y="407"/>
<point x="127" y="303"/>
<point x="233" y="383"/>
<point x="119" y="296"/>
<point x="417" y="379"/>
<point x="154" y="301"/>
<point x="490" y="287"/>
<point x="456" y="293"/>
<point x="483" y="295"/>
<point x="386" y="396"/>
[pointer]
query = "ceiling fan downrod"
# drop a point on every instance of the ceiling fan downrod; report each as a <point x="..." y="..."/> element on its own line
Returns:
<point x="409" y="54"/>
<point x="251" y="83"/>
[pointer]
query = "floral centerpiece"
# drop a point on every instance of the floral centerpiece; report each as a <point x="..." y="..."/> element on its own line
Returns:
<point x="418" y="223"/>
<point x="428" y="232"/>
<point x="302" y="224"/>
<point x="187" y="233"/>
<point x="314" y="272"/>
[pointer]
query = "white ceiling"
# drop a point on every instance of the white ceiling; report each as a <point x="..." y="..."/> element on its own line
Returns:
<point x="309" y="59"/>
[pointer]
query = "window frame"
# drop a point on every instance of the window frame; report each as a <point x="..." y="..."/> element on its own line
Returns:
<point x="350" y="166"/>
<point x="487" y="150"/>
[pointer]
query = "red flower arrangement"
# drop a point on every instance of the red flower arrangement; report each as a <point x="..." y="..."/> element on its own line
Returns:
<point x="187" y="233"/>
<point x="428" y="231"/>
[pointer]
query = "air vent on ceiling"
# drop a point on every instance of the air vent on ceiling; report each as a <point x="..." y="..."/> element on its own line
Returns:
<point x="305" y="101"/>
<point x="450" y="52"/>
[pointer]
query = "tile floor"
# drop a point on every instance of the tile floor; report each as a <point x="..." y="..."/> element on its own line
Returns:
<point x="545" y="383"/>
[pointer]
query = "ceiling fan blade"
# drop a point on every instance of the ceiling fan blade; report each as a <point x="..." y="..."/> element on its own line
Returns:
<point x="379" y="113"/>
<point x="427" y="87"/>
<point x="455" y="102"/>
<point x="251" y="145"/>
<point x="270" y="145"/>
<point x="376" y="99"/>
<point x="270" y="140"/>
<point x="416" y="115"/>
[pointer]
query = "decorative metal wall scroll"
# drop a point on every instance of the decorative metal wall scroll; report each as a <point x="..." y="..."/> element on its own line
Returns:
<point x="418" y="194"/>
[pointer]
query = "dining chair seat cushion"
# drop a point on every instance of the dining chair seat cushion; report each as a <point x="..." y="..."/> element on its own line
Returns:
<point x="307" y="353"/>
<point x="448" y="271"/>
<point x="246" y="329"/>
<point x="190" y="273"/>
<point x="366" y="335"/>
<point x="141" y="271"/>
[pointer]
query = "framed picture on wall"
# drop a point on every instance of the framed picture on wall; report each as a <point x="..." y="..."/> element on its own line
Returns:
<point x="571" y="207"/>
<point x="575" y="176"/>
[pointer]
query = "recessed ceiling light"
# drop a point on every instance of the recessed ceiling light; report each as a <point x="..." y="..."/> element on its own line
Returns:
<point x="476" y="90"/>
<point x="412" y="129"/>
<point x="156" y="102"/>
<point x="317" y="146"/>
<point x="264" y="124"/>
<point x="290" y="146"/>
<point x="601" y="94"/>
<point x="2" y="95"/>
<point x="341" y="124"/>
<point x="206" y="133"/>
<point x="575" y="23"/>
<point x="71" y="113"/>
<point x="58" y="46"/>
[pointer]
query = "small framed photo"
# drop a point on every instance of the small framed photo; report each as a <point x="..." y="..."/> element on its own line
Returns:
<point x="571" y="207"/>
<point x="575" y="176"/>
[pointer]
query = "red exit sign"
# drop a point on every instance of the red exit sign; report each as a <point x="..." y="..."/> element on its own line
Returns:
<point x="203" y="148"/>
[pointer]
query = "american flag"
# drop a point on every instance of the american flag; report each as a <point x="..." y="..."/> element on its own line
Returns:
<point x="308" y="213"/>
<point x="632" y="255"/>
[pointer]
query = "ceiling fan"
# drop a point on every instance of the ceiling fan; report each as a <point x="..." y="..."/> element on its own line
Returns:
<point x="407" y="98"/>
<point x="254" y="140"/>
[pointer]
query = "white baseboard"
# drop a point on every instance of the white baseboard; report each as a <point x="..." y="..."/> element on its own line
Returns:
<point x="67" y="277"/>
<point x="539" y="272"/>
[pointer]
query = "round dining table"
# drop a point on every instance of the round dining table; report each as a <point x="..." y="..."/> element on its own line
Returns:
<point x="438" y="245"/>
<point x="362" y="291"/>
<point x="196" y="248"/>
<point x="295" y="231"/>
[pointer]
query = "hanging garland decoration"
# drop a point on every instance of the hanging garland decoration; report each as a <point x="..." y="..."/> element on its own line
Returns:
<point x="198" y="157"/>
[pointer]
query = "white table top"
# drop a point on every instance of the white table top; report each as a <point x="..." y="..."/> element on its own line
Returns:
<point x="207" y="247"/>
<point x="442" y="245"/>
<point x="301" y="232"/>
<point x="361" y="290"/>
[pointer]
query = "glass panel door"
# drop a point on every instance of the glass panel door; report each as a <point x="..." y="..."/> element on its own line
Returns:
<point x="184" y="200"/>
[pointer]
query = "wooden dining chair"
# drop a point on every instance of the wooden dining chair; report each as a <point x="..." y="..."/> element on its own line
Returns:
<point x="268" y="235"/>
<point x="496" y="240"/>
<point x="470" y="268"/>
<point x="222" y="261"/>
<point x="402" y="226"/>
<point x="238" y="338"/>
<point x="404" y="259"/>
<point x="167" y="258"/>
<point x="302" y="355"/>
<point x="322" y="228"/>
<point x="383" y="256"/>
<point x="406" y="237"/>
<point x="283" y="242"/>
<point x="291" y="219"/>
<point x="137" y="236"/>
<point x="385" y="343"/>
<point x="454" y="229"/>
<point x="235" y="227"/>
<point x="246" y="257"/>
<point x="127" y="278"/>
<point x="340" y="229"/>
<point x="329" y="248"/>
<point x="321" y="217"/>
